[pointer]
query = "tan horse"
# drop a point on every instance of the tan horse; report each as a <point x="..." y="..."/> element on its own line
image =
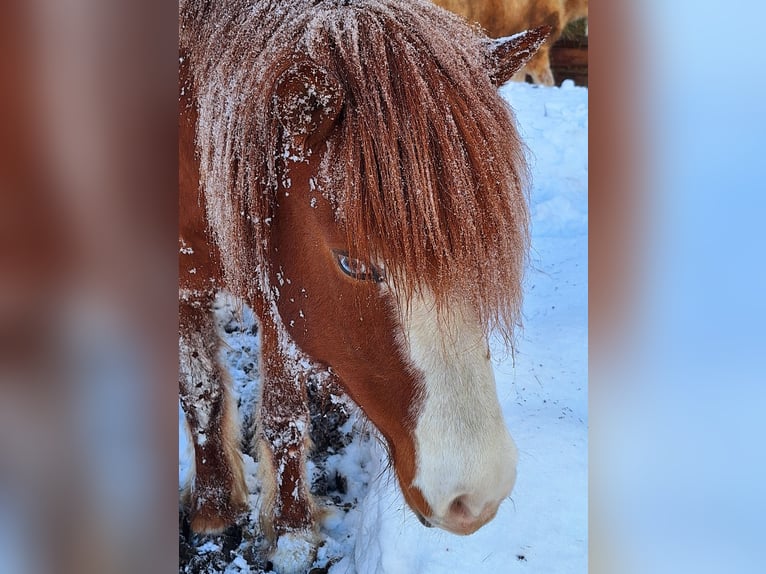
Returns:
<point x="348" y="169"/>
<point x="500" y="18"/>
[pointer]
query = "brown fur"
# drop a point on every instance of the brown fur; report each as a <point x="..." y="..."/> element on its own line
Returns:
<point x="309" y="127"/>
<point x="501" y="18"/>
<point x="219" y="492"/>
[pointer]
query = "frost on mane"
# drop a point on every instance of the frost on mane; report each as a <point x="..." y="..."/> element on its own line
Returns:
<point x="400" y="177"/>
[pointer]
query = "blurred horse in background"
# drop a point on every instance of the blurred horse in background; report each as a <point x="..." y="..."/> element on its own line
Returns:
<point x="500" y="18"/>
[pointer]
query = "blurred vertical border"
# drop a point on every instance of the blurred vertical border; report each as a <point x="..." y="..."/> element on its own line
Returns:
<point x="88" y="338"/>
<point x="677" y="283"/>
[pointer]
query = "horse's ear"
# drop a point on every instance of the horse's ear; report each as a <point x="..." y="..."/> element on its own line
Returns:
<point x="308" y="100"/>
<point x="508" y="55"/>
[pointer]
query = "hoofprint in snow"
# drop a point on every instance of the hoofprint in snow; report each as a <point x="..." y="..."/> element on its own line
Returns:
<point x="542" y="528"/>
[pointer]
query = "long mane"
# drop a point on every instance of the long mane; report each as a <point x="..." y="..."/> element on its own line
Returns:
<point x="426" y="170"/>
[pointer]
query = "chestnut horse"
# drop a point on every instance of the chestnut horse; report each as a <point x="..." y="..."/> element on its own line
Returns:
<point x="348" y="169"/>
<point x="501" y="18"/>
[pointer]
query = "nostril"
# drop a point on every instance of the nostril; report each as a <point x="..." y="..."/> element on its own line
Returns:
<point x="465" y="517"/>
<point x="459" y="510"/>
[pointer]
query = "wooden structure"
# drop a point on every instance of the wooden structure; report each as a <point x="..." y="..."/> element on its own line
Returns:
<point x="569" y="59"/>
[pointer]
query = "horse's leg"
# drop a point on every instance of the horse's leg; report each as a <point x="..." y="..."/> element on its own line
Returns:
<point x="288" y="513"/>
<point x="218" y="492"/>
<point x="520" y="76"/>
<point x="539" y="67"/>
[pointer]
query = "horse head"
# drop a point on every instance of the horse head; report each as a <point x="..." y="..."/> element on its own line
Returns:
<point x="405" y="336"/>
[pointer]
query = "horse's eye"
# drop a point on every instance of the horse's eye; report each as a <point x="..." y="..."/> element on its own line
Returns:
<point x="357" y="268"/>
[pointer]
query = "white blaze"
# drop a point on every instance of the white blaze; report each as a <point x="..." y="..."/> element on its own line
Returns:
<point x="463" y="447"/>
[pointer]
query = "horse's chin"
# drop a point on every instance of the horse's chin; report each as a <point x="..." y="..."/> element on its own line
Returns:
<point x="422" y="519"/>
<point x="458" y="529"/>
<point x="454" y="522"/>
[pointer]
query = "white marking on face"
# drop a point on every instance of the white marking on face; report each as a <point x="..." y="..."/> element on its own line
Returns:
<point x="466" y="460"/>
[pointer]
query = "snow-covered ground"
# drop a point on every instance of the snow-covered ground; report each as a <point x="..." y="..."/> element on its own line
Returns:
<point x="543" y="392"/>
